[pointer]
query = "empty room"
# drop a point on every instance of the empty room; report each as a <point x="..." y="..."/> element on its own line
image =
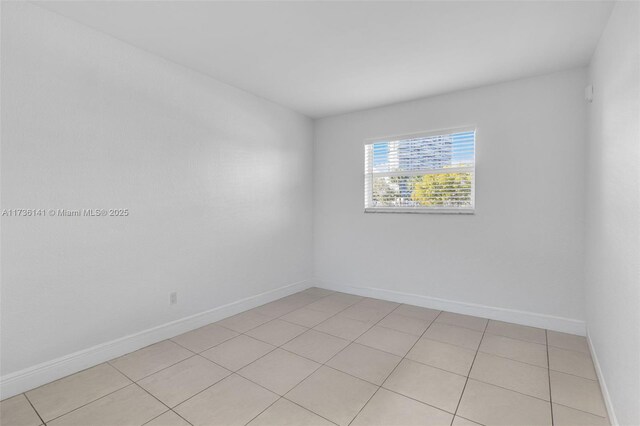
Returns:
<point x="317" y="213"/>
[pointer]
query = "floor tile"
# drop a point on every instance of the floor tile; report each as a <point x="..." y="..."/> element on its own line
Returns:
<point x="151" y="359"/>
<point x="17" y="411"/>
<point x="286" y="413"/>
<point x="329" y="305"/>
<point x="519" y="350"/>
<point x="514" y="375"/>
<point x="127" y="407"/>
<point x="306" y="317"/>
<point x="60" y="397"/>
<point x="168" y="419"/>
<point x="388" y="408"/>
<point x="276" y="332"/>
<point x="405" y="324"/>
<point x="335" y="303"/>
<point x="565" y="416"/>
<point x="345" y="297"/>
<point x="344" y="327"/>
<point x="279" y="371"/>
<point x="516" y="331"/>
<point x="364" y="313"/>
<point x="203" y="338"/>
<point x="572" y="362"/>
<point x="459" y="320"/>
<point x="387" y="340"/>
<point x="232" y="401"/>
<point x="577" y="392"/>
<point x="461" y="421"/>
<point x="419" y="312"/>
<point x="427" y="384"/>
<point x="454" y="335"/>
<point x="380" y="304"/>
<point x="278" y="308"/>
<point x="508" y="384"/>
<point x="568" y="341"/>
<point x="238" y="352"/>
<point x="181" y="381"/>
<point x="492" y="405"/>
<point x="315" y="345"/>
<point x="333" y="395"/>
<point x="318" y="292"/>
<point x="365" y="363"/>
<point x="300" y="299"/>
<point x="443" y="355"/>
<point x="244" y="321"/>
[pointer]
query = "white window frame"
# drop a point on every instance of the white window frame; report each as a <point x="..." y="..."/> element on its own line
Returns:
<point x="423" y="210"/>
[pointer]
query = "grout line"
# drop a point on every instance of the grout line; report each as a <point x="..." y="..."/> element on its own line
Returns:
<point x="178" y="414"/>
<point x="396" y="366"/>
<point x="69" y="375"/>
<point x="133" y="382"/>
<point x="515" y="338"/>
<point x="462" y="326"/>
<point x="324" y="364"/>
<point x="169" y="408"/>
<point x="239" y="375"/>
<point x="510" y="359"/>
<point x="268" y="316"/>
<point x="587" y="354"/>
<point x="416" y="400"/>
<point x="34" y="408"/>
<point x="305" y="408"/>
<point x="428" y="365"/>
<point x="399" y="331"/>
<point x="549" y="378"/>
<point x="183" y="347"/>
<point x="151" y="374"/>
<point x="582" y="411"/>
<point x="508" y="389"/>
<point x="153" y="396"/>
<point x="195" y="354"/>
<point x="321" y="364"/>
<point x="472" y="421"/>
<point x="354" y="341"/>
<point x="161" y="414"/>
<point x="91" y="402"/>
<point x="411" y="348"/>
<point x="469" y="373"/>
<point x="575" y="375"/>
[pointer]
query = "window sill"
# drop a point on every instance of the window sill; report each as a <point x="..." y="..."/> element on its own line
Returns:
<point x="418" y="210"/>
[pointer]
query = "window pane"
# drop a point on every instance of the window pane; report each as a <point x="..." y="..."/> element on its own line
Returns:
<point x="423" y="173"/>
<point x="452" y="190"/>
<point x="424" y="153"/>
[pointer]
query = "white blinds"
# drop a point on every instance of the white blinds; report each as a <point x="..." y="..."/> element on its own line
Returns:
<point x="422" y="173"/>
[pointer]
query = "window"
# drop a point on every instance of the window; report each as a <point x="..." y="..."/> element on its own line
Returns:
<point x="421" y="173"/>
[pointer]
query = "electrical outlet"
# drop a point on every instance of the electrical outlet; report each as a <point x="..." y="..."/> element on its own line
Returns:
<point x="173" y="298"/>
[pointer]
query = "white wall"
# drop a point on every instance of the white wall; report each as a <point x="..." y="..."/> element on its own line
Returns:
<point x="613" y="211"/>
<point x="523" y="248"/>
<point x="217" y="182"/>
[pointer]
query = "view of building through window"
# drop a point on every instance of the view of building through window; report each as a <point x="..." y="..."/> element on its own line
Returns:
<point x="433" y="172"/>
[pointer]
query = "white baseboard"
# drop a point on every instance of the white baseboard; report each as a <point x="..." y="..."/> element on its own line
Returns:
<point x="532" y="319"/>
<point x="603" y="384"/>
<point x="37" y="375"/>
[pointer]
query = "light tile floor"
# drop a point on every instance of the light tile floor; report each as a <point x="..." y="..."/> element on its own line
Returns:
<point x="320" y="358"/>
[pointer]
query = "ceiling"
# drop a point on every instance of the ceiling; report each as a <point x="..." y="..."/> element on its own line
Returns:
<point x="326" y="58"/>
